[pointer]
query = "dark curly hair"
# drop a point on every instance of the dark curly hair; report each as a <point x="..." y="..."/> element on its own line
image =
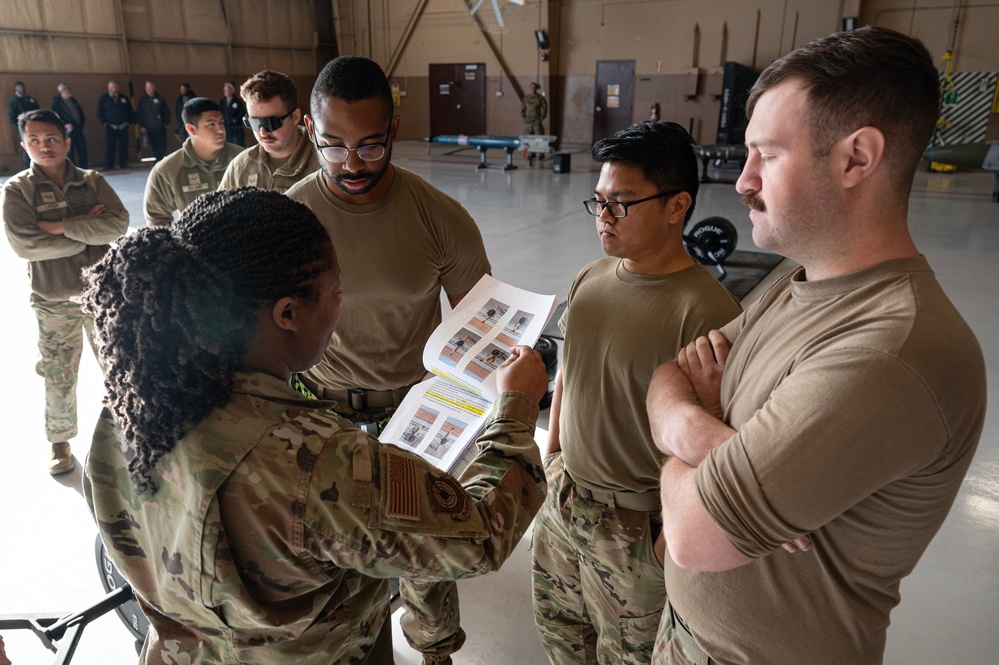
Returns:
<point x="174" y="308"/>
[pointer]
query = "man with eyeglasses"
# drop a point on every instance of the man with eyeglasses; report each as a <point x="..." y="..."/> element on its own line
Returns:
<point x="283" y="154"/>
<point x="400" y="241"/>
<point x="597" y="574"/>
<point x="196" y="168"/>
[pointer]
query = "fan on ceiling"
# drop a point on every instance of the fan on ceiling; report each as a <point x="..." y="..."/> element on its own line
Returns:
<point x="498" y="16"/>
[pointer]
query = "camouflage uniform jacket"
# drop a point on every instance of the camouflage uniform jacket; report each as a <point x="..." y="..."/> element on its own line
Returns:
<point x="534" y="108"/>
<point x="55" y="261"/>
<point x="275" y="523"/>
<point x="252" y="168"/>
<point x="180" y="178"/>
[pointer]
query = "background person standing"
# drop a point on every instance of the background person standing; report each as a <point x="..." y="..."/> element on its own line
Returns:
<point x="186" y="95"/>
<point x="114" y="111"/>
<point x="69" y="110"/>
<point x="20" y="103"/>
<point x="153" y="116"/>
<point x="233" y="112"/>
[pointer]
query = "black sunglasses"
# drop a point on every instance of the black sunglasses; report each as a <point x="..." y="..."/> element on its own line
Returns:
<point x="271" y="124"/>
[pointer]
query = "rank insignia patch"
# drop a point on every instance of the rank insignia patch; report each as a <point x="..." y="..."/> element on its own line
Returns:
<point x="447" y="496"/>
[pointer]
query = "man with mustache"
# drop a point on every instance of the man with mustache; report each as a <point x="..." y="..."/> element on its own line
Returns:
<point x="61" y="219"/>
<point x="400" y="242"/>
<point x="837" y="417"/>
<point x="283" y="154"/>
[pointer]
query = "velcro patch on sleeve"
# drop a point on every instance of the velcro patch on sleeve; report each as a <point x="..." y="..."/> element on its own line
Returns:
<point x="403" y="493"/>
<point x="448" y="496"/>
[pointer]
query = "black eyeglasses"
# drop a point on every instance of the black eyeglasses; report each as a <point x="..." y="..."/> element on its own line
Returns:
<point x="271" y="123"/>
<point x="370" y="152"/>
<point x="619" y="209"/>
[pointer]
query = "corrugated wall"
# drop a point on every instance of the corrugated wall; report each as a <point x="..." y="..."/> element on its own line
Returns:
<point x="84" y="43"/>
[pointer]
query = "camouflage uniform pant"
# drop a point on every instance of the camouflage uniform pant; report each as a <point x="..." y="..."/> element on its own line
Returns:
<point x="61" y="327"/>
<point x="432" y="621"/>
<point x="675" y="645"/>
<point x="533" y="127"/>
<point x="598" y="587"/>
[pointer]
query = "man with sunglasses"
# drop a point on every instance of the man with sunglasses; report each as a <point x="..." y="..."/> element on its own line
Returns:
<point x="196" y="168"/>
<point x="400" y="241"/>
<point x="598" y="581"/>
<point x="283" y="154"/>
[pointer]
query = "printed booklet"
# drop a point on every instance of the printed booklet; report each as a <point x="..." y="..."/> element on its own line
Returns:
<point x="441" y="416"/>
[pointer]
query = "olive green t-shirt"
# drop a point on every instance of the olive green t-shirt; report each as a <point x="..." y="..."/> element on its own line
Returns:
<point x="858" y="403"/>
<point x="395" y="257"/>
<point x="618" y="328"/>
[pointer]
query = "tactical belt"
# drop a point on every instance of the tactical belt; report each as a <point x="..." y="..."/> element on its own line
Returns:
<point x="360" y="399"/>
<point x="643" y="502"/>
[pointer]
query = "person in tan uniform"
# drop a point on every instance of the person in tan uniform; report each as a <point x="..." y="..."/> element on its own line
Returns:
<point x="61" y="219"/>
<point x="283" y="154"/>
<point x="196" y="168"/>
<point x="837" y="417"/>
<point x="598" y="586"/>
<point x="402" y="243"/>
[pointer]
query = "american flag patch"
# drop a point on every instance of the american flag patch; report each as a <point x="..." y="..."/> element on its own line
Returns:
<point x="403" y="499"/>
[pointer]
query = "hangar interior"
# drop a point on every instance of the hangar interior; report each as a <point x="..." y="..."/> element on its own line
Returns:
<point x="670" y="55"/>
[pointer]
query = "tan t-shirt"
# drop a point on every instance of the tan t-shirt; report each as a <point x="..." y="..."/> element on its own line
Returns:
<point x="618" y="328"/>
<point x="395" y="257"/>
<point x="858" y="401"/>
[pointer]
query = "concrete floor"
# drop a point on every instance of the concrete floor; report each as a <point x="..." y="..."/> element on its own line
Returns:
<point x="538" y="236"/>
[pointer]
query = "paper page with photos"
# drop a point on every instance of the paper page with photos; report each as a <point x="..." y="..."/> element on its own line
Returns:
<point x="441" y="416"/>
<point x="437" y="421"/>
<point x="476" y="337"/>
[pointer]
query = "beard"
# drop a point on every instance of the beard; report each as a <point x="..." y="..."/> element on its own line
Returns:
<point x="375" y="176"/>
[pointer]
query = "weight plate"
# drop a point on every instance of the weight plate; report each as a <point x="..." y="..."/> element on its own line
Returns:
<point x="548" y="349"/>
<point x="129" y="612"/>
<point x="712" y="240"/>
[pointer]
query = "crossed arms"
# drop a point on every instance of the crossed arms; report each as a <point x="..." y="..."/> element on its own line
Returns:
<point x="684" y="407"/>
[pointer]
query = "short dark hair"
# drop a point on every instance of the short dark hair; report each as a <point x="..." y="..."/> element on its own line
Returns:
<point x="663" y="150"/>
<point x="196" y="107"/>
<point x="269" y="84"/>
<point x="174" y="309"/>
<point x="351" y="78"/>
<point x="871" y="77"/>
<point x="18" y="83"/>
<point x="40" y="115"/>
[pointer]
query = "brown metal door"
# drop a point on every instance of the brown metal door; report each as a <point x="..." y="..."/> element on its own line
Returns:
<point x="457" y="99"/>
<point x="612" y="100"/>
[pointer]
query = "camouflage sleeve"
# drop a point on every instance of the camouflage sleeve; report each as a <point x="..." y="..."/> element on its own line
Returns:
<point x="100" y="229"/>
<point x="398" y="516"/>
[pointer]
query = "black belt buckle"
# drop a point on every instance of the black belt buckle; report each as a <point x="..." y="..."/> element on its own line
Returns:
<point x="357" y="398"/>
<point x="369" y="426"/>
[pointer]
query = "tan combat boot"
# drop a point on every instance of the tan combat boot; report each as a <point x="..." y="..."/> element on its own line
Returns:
<point x="61" y="460"/>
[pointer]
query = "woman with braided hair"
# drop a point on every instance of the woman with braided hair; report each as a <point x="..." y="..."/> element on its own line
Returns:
<point x="254" y="524"/>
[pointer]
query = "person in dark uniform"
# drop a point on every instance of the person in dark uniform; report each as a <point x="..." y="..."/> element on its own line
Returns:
<point x="114" y="111"/>
<point x="186" y="95"/>
<point x="153" y="117"/>
<point x="18" y="104"/>
<point x="71" y="113"/>
<point x="233" y="112"/>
